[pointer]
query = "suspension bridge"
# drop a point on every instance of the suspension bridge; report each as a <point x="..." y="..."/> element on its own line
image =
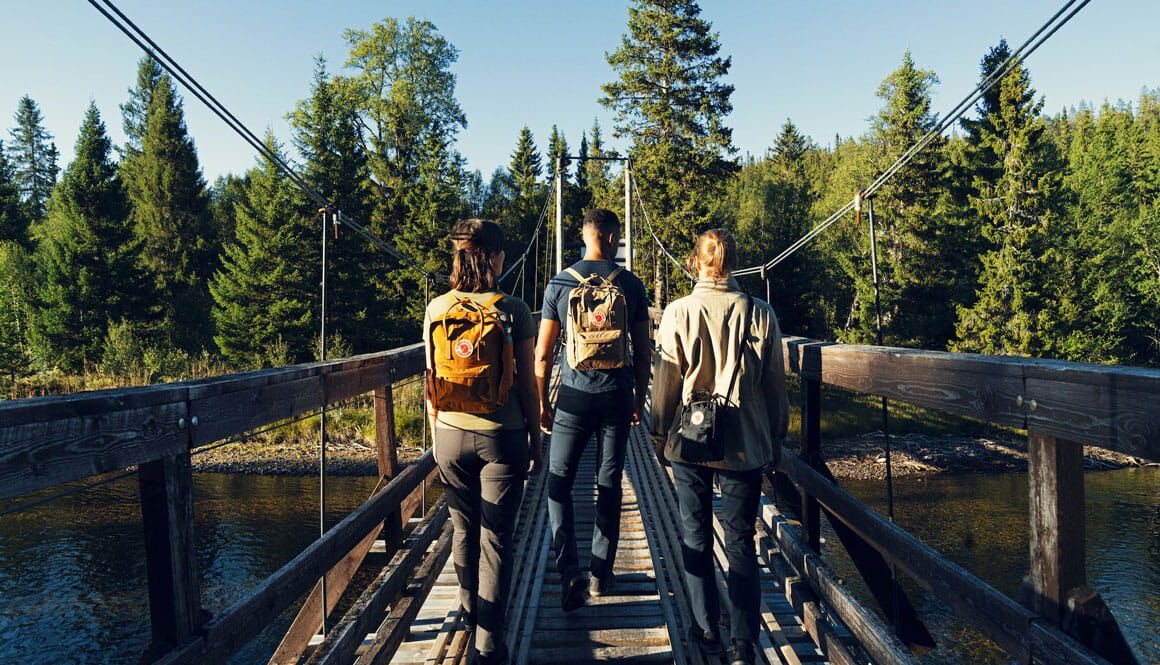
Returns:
<point x="408" y="612"/>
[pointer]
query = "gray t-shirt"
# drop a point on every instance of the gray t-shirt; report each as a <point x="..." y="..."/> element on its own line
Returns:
<point x="556" y="309"/>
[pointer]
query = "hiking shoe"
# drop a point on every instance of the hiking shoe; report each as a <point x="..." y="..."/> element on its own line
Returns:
<point x="575" y="593"/>
<point x="707" y="640"/>
<point x="497" y="657"/>
<point x="599" y="586"/>
<point x="741" y="653"/>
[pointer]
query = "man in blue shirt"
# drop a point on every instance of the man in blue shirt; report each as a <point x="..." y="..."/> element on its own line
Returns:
<point x="604" y="402"/>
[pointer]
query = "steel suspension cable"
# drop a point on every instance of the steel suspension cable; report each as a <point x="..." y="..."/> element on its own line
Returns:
<point x="1041" y="35"/>
<point x="652" y="232"/>
<point x="142" y="40"/>
<point x="535" y="234"/>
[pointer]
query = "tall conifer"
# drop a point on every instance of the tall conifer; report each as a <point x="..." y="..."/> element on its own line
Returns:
<point x="32" y="156"/>
<point x="671" y="100"/>
<point x="172" y="221"/>
<point x="13" y="223"/>
<point x="266" y="292"/>
<point x="1013" y="310"/>
<point x="86" y="262"/>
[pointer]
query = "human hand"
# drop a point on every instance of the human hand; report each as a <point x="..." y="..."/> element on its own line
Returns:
<point x="547" y="417"/>
<point x="535" y="453"/>
<point x="658" y="442"/>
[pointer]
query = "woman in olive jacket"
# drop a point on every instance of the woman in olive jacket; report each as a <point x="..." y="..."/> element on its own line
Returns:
<point x="705" y="347"/>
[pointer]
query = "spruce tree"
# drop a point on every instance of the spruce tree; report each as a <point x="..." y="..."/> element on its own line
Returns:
<point x="172" y="222"/>
<point x="16" y="291"/>
<point x="87" y="276"/>
<point x="597" y="178"/>
<point x="266" y="292"/>
<point x="328" y="136"/>
<point x="13" y="223"/>
<point x="32" y="156"/>
<point x="135" y="112"/>
<point x="1013" y="310"/>
<point x="671" y="100"/>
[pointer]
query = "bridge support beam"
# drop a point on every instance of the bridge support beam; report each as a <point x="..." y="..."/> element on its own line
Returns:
<point x="1057" y="523"/>
<point x="166" y="490"/>
<point x="811" y="452"/>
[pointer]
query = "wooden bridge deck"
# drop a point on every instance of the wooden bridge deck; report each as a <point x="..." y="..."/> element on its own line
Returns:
<point x="646" y="616"/>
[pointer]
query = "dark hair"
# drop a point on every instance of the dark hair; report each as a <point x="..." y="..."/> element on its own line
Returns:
<point x="603" y="219"/>
<point x="475" y="242"/>
<point x="717" y="251"/>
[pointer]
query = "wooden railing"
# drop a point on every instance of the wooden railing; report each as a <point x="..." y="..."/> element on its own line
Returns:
<point x="1060" y="404"/>
<point x="48" y="441"/>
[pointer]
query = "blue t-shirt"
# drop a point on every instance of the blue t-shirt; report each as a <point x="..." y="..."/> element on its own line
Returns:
<point x="556" y="309"/>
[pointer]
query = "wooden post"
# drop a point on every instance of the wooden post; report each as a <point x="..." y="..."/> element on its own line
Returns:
<point x="1057" y="523"/>
<point x="385" y="442"/>
<point x="811" y="452"/>
<point x="166" y="490"/>
<point x="387" y="446"/>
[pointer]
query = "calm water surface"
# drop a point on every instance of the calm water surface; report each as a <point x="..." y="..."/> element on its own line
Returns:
<point x="72" y="572"/>
<point x="980" y="523"/>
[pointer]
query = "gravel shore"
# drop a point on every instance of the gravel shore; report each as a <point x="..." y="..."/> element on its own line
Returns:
<point x="862" y="458"/>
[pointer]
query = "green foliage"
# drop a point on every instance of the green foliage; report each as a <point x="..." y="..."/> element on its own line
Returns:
<point x="265" y="294"/>
<point x="172" y="222"/>
<point x="13" y="223"/>
<point x="33" y="159"/>
<point x="1014" y="311"/>
<point x="403" y="91"/>
<point x="15" y="294"/>
<point x="87" y="275"/>
<point x="671" y="100"/>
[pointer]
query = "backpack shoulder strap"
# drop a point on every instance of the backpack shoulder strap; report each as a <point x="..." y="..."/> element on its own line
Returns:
<point x="580" y="278"/>
<point x="491" y="302"/>
<point x="614" y="274"/>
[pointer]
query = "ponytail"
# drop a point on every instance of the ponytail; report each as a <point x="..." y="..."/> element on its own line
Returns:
<point x="715" y="250"/>
<point x="475" y="242"/>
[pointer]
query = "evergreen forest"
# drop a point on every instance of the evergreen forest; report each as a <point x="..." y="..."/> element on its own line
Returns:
<point x="1015" y="233"/>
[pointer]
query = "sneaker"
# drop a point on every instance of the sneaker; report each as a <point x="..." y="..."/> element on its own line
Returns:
<point x="707" y="640"/>
<point x="599" y="586"/>
<point x="741" y="653"/>
<point x="575" y="593"/>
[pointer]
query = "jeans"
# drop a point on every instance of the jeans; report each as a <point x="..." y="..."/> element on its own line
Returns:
<point x="483" y="474"/>
<point x="579" y="416"/>
<point x="740" y="498"/>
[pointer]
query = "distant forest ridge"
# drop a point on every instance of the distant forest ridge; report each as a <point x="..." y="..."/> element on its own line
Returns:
<point x="1016" y="233"/>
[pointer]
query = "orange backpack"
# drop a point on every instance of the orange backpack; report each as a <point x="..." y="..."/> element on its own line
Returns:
<point x="471" y="359"/>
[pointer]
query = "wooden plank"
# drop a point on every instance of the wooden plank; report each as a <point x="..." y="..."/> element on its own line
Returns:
<point x="997" y="616"/>
<point x="40" y="448"/>
<point x="1056" y="510"/>
<point x="394" y="630"/>
<point x="309" y="618"/>
<point x="166" y="491"/>
<point x="1098" y="405"/>
<point x="811" y="448"/>
<point x="874" y="636"/>
<point x="1051" y="646"/>
<point x="247" y="617"/>
<point x="347" y="636"/>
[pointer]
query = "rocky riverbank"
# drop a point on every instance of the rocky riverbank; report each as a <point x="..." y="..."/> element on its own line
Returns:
<point x="864" y="457"/>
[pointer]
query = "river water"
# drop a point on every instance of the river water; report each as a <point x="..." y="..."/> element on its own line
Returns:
<point x="72" y="571"/>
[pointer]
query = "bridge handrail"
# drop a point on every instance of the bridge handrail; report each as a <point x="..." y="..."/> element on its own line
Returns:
<point x="46" y="441"/>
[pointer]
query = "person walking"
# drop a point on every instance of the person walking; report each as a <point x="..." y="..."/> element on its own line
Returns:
<point x="603" y="310"/>
<point x="719" y="412"/>
<point x="482" y="400"/>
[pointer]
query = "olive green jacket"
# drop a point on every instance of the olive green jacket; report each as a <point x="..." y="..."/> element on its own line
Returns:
<point x="698" y="350"/>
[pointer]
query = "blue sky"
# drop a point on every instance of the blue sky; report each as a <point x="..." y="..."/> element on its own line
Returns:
<point x="542" y="63"/>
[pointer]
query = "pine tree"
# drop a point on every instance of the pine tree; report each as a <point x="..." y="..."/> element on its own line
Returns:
<point x="597" y="179"/>
<point x="1013" y="308"/>
<point x="13" y="224"/>
<point x="266" y="292"/>
<point x="87" y="276"/>
<point x="135" y="112"/>
<point x="670" y="99"/>
<point x="33" y="159"/>
<point x="172" y="221"/>
<point x="328" y="136"/>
